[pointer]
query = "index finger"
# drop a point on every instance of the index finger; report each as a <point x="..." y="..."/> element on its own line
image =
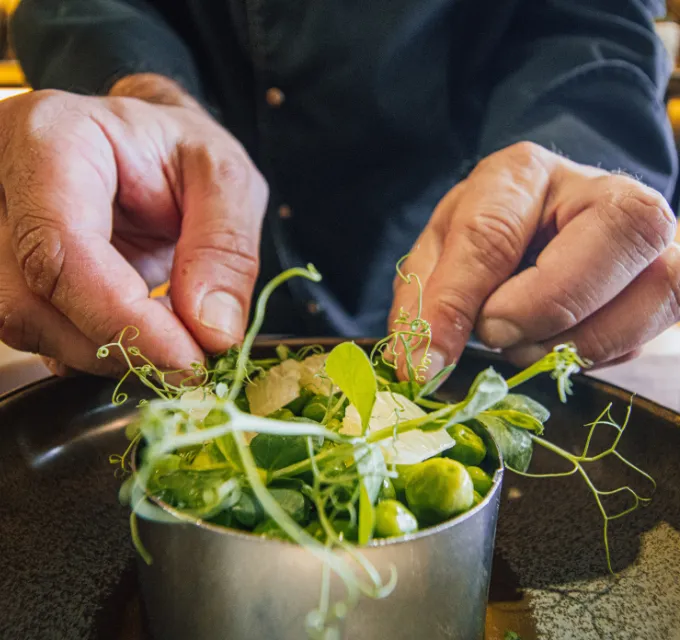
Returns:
<point x="486" y="230"/>
<point x="59" y="208"/>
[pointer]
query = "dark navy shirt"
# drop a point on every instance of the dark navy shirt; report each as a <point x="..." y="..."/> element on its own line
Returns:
<point x="362" y="115"/>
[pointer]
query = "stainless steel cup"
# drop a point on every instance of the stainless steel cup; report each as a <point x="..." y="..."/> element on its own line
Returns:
<point x="207" y="583"/>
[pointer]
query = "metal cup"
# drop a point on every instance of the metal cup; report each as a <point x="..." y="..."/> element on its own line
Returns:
<point x="206" y="583"/>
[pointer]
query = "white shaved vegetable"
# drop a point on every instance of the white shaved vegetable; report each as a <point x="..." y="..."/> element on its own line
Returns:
<point x="283" y="383"/>
<point x="411" y="447"/>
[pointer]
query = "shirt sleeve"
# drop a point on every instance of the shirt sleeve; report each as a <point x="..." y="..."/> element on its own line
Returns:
<point x="586" y="78"/>
<point x="84" y="46"/>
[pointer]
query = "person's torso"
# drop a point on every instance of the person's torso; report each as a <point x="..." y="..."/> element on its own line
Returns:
<point x="360" y="115"/>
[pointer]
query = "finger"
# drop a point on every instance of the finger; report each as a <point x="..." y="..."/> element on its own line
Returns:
<point x="28" y="323"/>
<point x="216" y="259"/>
<point x="59" y="200"/>
<point x="422" y="259"/>
<point x="594" y="256"/>
<point x="487" y="233"/>
<point x="59" y="369"/>
<point x="649" y="306"/>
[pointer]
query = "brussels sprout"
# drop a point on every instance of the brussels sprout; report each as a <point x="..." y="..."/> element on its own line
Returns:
<point x="477" y="499"/>
<point x="469" y="448"/>
<point x="480" y="479"/>
<point x="393" y="519"/>
<point x="438" y="489"/>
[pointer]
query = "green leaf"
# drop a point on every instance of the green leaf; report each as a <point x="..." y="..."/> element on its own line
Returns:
<point x="518" y="419"/>
<point x="488" y="388"/>
<point x="430" y="387"/>
<point x="511" y="635"/>
<point x="515" y="445"/>
<point x="273" y="452"/>
<point x="366" y="516"/>
<point x="350" y="369"/>
<point x="525" y="404"/>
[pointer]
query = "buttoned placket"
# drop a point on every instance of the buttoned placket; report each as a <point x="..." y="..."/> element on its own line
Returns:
<point x="270" y="99"/>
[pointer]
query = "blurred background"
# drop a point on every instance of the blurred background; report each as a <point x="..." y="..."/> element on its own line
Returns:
<point x="12" y="81"/>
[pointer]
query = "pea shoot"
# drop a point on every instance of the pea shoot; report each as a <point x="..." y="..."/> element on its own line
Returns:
<point x="331" y="450"/>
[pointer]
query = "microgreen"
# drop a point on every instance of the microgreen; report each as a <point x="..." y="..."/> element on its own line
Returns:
<point x="202" y="453"/>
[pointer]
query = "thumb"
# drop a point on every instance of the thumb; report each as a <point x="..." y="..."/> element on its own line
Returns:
<point x="224" y="198"/>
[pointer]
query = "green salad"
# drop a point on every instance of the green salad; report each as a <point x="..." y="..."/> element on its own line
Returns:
<point x="335" y="450"/>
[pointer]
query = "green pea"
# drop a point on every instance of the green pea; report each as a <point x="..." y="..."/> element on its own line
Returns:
<point x="343" y="528"/>
<point x="438" y="489"/>
<point x="334" y="424"/>
<point x="469" y="448"/>
<point x="387" y="490"/>
<point x="393" y="519"/>
<point x="297" y="405"/>
<point x="270" y="529"/>
<point x="315" y="530"/>
<point x="346" y="530"/>
<point x="282" y="414"/>
<point x="215" y="417"/>
<point x="316" y="408"/>
<point x="241" y="402"/>
<point x="480" y="479"/>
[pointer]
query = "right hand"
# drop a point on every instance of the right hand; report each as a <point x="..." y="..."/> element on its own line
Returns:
<point x="103" y="198"/>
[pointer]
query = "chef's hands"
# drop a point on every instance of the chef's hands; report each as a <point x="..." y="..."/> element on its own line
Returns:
<point x="102" y="198"/>
<point x="607" y="276"/>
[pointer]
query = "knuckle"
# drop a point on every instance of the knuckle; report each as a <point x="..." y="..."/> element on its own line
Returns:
<point x="223" y="167"/>
<point x="229" y="248"/>
<point x="40" y="252"/>
<point x="497" y="238"/>
<point x="671" y="275"/>
<point x="521" y="155"/>
<point x="16" y="329"/>
<point x="562" y="310"/>
<point x="452" y="310"/>
<point x="648" y="221"/>
<point x="601" y="346"/>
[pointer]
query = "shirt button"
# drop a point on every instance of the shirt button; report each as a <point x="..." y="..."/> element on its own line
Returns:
<point x="313" y="307"/>
<point x="275" y="97"/>
<point x="285" y="212"/>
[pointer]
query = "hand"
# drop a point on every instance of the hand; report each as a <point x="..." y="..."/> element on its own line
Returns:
<point x="102" y="198"/>
<point x="607" y="275"/>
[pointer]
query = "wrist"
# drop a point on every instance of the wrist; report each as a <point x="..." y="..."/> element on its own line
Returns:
<point x="155" y="89"/>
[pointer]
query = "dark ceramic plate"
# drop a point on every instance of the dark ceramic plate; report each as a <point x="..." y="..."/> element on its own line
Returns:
<point x="66" y="561"/>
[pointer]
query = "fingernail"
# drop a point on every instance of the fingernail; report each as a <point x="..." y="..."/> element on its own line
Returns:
<point x="222" y="312"/>
<point x="527" y="355"/>
<point x="437" y="362"/>
<point x="498" y="333"/>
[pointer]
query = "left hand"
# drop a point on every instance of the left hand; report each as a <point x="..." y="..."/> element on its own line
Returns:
<point x="607" y="275"/>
